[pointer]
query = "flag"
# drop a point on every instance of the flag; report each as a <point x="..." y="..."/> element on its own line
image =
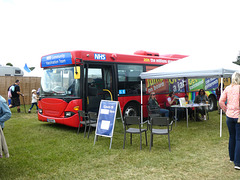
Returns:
<point x="26" y="68"/>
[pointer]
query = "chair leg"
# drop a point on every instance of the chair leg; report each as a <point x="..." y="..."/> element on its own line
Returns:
<point x="78" y="128"/>
<point x="124" y="140"/>
<point x="146" y="137"/>
<point x="152" y="139"/>
<point x="131" y="138"/>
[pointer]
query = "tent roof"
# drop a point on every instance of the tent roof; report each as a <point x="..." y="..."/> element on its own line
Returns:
<point x="192" y="67"/>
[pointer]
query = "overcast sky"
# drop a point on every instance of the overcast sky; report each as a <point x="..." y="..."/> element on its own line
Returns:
<point x="33" y="28"/>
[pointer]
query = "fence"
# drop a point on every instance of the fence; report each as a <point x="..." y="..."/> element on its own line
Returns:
<point x="26" y="86"/>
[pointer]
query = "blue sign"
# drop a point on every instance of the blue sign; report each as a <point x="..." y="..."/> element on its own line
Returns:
<point x="56" y="59"/>
<point x="106" y="118"/>
<point x="211" y="83"/>
<point x="100" y="56"/>
<point x="122" y="91"/>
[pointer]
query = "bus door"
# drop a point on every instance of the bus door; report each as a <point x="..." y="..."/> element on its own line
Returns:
<point x="99" y="85"/>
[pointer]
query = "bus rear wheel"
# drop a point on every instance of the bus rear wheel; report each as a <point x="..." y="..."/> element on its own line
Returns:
<point x="213" y="103"/>
<point x="131" y="109"/>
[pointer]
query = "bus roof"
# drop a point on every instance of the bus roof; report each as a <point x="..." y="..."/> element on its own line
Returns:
<point x="139" y="57"/>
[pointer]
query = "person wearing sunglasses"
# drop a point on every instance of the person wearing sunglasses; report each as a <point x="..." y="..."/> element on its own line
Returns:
<point x="154" y="106"/>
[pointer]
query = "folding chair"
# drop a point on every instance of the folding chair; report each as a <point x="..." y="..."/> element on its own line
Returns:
<point x="92" y="121"/>
<point x="83" y="120"/>
<point x="160" y="126"/>
<point x="131" y="121"/>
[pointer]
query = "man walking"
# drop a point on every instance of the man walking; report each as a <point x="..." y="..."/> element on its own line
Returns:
<point x="15" y="101"/>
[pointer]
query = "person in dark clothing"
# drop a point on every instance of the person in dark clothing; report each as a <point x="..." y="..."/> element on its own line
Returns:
<point x="218" y="93"/>
<point x="154" y="106"/>
<point x="201" y="98"/>
<point x="15" y="100"/>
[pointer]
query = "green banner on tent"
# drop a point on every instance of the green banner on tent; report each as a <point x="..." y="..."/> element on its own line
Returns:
<point x="196" y="84"/>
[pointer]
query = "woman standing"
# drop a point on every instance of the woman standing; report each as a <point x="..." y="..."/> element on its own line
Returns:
<point x="231" y="108"/>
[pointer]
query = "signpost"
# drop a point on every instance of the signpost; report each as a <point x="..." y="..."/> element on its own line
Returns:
<point x="108" y="112"/>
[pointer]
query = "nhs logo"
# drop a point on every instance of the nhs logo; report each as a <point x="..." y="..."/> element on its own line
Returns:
<point x="100" y="56"/>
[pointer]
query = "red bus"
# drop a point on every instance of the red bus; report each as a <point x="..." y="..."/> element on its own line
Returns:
<point x="79" y="80"/>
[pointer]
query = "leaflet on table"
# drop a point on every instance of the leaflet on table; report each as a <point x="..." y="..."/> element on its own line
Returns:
<point x="196" y="105"/>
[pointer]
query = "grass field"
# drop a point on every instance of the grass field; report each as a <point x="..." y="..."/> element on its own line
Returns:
<point x="41" y="150"/>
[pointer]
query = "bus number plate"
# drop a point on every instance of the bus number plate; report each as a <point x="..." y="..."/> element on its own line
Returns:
<point x="51" y="120"/>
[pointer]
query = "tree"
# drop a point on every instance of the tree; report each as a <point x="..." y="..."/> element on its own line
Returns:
<point x="9" y="64"/>
<point x="32" y="68"/>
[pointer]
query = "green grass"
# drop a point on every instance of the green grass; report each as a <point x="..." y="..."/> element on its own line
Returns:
<point x="41" y="150"/>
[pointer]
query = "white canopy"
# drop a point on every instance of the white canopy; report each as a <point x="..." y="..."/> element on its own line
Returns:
<point x="192" y="67"/>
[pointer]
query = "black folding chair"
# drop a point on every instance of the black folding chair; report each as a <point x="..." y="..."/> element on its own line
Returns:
<point x="160" y="126"/>
<point x="134" y="121"/>
<point x="92" y="121"/>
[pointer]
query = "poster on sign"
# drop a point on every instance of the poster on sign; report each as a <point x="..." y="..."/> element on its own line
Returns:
<point x="108" y="112"/>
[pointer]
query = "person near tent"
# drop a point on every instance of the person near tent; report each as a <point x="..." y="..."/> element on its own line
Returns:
<point x="15" y="101"/>
<point x="154" y="106"/>
<point x="231" y="95"/>
<point x="201" y="98"/>
<point x="172" y="100"/>
<point x="218" y="93"/>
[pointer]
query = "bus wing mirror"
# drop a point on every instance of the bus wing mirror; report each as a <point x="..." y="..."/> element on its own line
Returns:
<point x="77" y="72"/>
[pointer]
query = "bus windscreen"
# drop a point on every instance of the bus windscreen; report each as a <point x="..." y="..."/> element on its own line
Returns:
<point x="59" y="82"/>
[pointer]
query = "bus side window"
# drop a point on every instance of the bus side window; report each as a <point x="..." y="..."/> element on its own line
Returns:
<point x="129" y="78"/>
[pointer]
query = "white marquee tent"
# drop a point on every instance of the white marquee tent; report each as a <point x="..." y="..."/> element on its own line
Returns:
<point x="194" y="67"/>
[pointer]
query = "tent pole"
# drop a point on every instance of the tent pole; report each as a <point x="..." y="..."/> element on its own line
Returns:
<point x="141" y="103"/>
<point x="185" y="85"/>
<point x="221" y="109"/>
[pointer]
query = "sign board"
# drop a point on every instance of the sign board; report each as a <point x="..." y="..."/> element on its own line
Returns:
<point x="56" y="59"/>
<point x="182" y="102"/>
<point x="108" y="112"/>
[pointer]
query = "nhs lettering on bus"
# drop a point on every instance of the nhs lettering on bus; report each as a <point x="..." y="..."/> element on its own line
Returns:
<point x="100" y="56"/>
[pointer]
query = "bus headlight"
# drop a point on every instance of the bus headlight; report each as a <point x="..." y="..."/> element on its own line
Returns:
<point x="68" y="114"/>
<point x="40" y="111"/>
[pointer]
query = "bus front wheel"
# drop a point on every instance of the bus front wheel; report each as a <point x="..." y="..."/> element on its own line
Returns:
<point x="131" y="109"/>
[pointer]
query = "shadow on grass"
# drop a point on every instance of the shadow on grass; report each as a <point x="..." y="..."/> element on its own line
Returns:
<point x="61" y="127"/>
